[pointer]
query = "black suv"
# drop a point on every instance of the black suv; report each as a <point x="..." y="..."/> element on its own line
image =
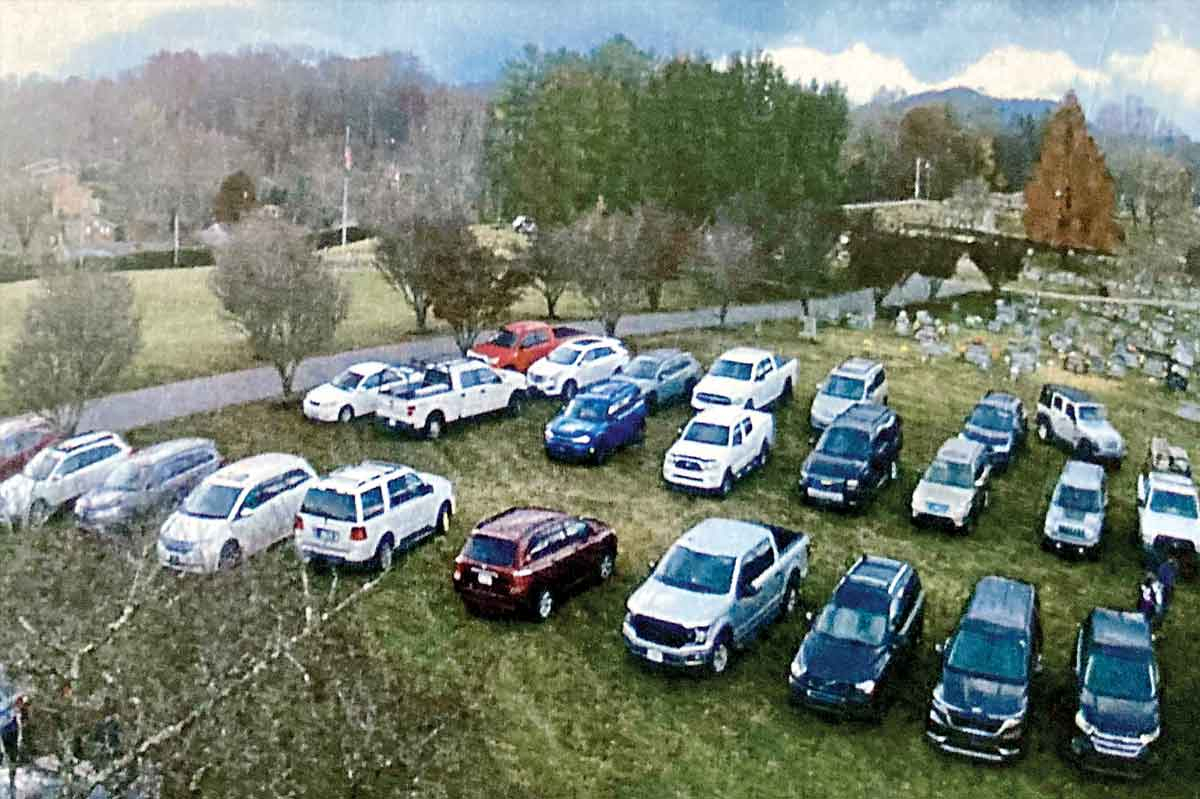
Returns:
<point x="981" y="703"/>
<point x="876" y="616"/>
<point x="857" y="454"/>
<point x="999" y="422"/>
<point x="1116" y="675"/>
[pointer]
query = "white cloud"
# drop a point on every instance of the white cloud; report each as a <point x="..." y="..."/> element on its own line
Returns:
<point x="859" y="69"/>
<point x="1168" y="65"/>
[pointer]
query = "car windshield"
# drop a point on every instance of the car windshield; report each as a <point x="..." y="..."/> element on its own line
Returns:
<point x="564" y="356"/>
<point x="505" y="338"/>
<point x="1084" y="500"/>
<point x="642" y="368"/>
<point x="1091" y="413"/>
<point x="1173" y="503"/>
<point x="329" y="504"/>
<point x="707" y="433"/>
<point x="696" y="571"/>
<point x="989" y="417"/>
<point x="989" y="655"/>
<point x="587" y="409"/>
<point x="211" y="501"/>
<point x="850" y="388"/>
<point x="127" y="477"/>
<point x="852" y="624"/>
<point x="844" y="442"/>
<point x="1112" y="675"/>
<point x="347" y="380"/>
<point x="945" y="473"/>
<point x="43" y="464"/>
<point x="489" y="550"/>
<point x="734" y="370"/>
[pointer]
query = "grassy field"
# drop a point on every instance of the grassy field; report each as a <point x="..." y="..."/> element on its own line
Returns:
<point x="558" y="710"/>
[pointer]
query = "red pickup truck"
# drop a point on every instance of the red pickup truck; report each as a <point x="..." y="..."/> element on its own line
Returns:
<point x="519" y="344"/>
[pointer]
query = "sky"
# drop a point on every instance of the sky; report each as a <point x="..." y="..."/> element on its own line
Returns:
<point x="1103" y="49"/>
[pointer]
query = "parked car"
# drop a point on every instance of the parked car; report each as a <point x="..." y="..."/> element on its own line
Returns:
<point x="148" y="486"/>
<point x="519" y="344"/>
<point x="576" y="364"/>
<point x="662" y="376"/>
<point x="20" y="440"/>
<point x="356" y="391"/>
<point x="236" y="512"/>
<point x="59" y="474"/>
<point x="1071" y="416"/>
<point x="1168" y="517"/>
<point x="715" y="590"/>
<point x="999" y="422"/>
<point x="746" y="377"/>
<point x="1075" y="519"/>
<point x="953" y="492"/>
<point x="867" y="631"/>
<point x="857" y="455"/>
<point x="451" y="391"/>
<point x="717" y="447"/>
<point x="855" y="381"/>
<point x="599" y="420"/>
<point x="980" y="706"/>
<point x="529" y="559"/>
<point x="362" y="514"/>
<point x="1119" y="694"/>
<point x="14" y="712"/>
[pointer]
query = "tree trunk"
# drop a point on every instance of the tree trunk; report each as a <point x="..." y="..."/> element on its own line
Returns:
<point x="722" y="312"/>
<point x="287" y="373"/>
<point x="610" y="324"/>
<point x="551" y="298"/>
<point x="175" y="225"/>
<point x="421" y="311"/>
<point x="654" y="296"/>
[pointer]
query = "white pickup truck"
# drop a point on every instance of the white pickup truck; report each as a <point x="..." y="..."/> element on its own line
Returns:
<point x="450" y="391"/>
<point x="746" y="377"/>
<point x="717" y="447"/>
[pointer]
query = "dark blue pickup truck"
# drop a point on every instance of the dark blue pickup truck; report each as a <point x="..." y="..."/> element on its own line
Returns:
<point x="596" y="422"/>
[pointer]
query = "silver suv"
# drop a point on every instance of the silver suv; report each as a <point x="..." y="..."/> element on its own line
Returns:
<point x="855" y="381"/>
<point x="1075" y="518"/>
<point x="954" y="489"/>
<point x="1075" y="418"/>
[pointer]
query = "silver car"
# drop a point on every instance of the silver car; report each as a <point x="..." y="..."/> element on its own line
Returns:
<point x="662" y="376"/>
<point x="1075" y="518"/>
<point x="953" y="490"/>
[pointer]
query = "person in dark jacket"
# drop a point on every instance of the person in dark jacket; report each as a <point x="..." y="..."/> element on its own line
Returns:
<point x="1166" y="573"/>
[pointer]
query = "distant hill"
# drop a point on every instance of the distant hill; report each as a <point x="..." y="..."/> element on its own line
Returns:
<point x="975" y="108"/>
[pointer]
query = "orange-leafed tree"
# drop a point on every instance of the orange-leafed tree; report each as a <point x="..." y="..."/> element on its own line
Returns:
<point x="1070" y="200"/>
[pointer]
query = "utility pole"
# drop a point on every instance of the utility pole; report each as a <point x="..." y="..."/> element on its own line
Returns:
<point x="346" y="187"/>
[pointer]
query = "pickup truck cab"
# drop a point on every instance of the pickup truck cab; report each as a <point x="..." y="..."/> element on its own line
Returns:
<point x="356" y="391"/>
<point x="1168" y="517"/>
<point x="598" y="421"/>
<point x="575" y="364"/>
<point x="867" y="631"/>
<point x="662" y="376"/>
<point x="746" y="377"/>
<point x="714" y="590"/>
<point x="519" y="344"/>
<point x="528" y="559"/>
<point x="858" y="454"/>
<point x="60" y="474"/>
<point x="1073" y="417"/>
<point x="718" y="447"/>
<point x="999" y="422"/>
<point x="856" y="381"/>
<point x="1119" y="694"/>
<point x="451" y="391"/>
<point x="954" y="489"/>
<point x="1075" y="519"/>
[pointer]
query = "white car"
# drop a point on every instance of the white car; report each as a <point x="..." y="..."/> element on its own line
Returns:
<point x="362" y="514"/>
<point x="575" y="364"/>
<point x="746" y="377"/>
<point x="60" y="474"/>
<point x="239" y="510"/>
<point x="355" y="392"/>
<point x="1168" y="515"/>
<point x="717" y="447"/>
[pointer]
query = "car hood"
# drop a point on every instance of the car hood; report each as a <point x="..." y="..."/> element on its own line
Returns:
<point x="547" y="368"/>
<point x="1122" y="717"/>
<point x="1057" y="515"/>
<point x="1174" y="526"/>
<point x="16" y="495"/>
<point x="981" y="695"/>
<point x="724" y="387"/>
<point x="992" y="439"/>
<point x="828" y="467"/>
<point x="1100" y="432"/>
<point x="828" y="658"/>
<point x="644" y="384"/>
<point x="569" y="428"/>
<point x="327" y="394"/>
<point x="694" y="449"/>
<point x="827" y="407"/>
<point x="942" y="494"/>
<point x="667" y="603"/>
<point x="181" y="527"/>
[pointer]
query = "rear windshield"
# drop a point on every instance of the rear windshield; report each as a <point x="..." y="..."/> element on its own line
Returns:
<point x="994" y="656"/>
<point x="844" y="442"/>
<point x="707" y="433"/>
<point x="731" y="369"/>
<point x="330" y="504"/>
<point x="489" y="550"/>
<point x="211" y="501"/>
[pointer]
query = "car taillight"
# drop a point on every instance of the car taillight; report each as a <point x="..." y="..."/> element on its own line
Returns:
<point x="358" y="534"/>
<point x="412" y="409"/>
<point x="298" y="524"/>
<point x="457" y="573"/>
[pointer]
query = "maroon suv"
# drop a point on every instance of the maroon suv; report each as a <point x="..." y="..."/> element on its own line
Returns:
<point x="20" y="440"/>
<point x="526" y="559"/>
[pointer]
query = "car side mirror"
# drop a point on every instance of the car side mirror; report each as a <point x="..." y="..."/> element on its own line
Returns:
<point x="808" y="616"/>
<point x="246" y="513"/>
<point x="820" y="386"/>
<point x="424" y="490"/>
<point x="651" y="566"/>
<point x="679" y="430"/>
<point x="940" y="648"/>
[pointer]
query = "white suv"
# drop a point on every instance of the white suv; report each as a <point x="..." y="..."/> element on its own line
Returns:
<point x="60" y="474"/>
<point x="576" y="363"/>
<point x="362" y="514"/>
<point x="355" y="392"/>
<point x="237" y="511"/>
<point x="1168" y="516"/>
<point x="856" y="381"/>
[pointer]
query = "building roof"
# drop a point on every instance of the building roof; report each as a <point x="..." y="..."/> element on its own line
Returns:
<point x="723" y="537"/>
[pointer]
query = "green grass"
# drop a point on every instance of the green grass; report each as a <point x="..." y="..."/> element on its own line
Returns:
<point x="559" y="710"/>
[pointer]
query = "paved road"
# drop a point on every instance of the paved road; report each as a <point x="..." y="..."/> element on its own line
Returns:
<point x="174" y="400"/>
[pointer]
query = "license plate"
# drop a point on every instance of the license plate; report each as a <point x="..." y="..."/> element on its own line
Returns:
<point x="654" y="656"/>
<point x="485" y="578"/>
<point x="325" y="534"/>
<point x="817" y="493"/>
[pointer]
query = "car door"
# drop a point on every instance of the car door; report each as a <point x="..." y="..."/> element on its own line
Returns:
<point x="66" y="480"/>
<point x="753" y="601"/>
<point x="670" y="379"/>
<point x="470" y="400"/>
<point x="492" y="393"/>
<point x="94" y="466"/>
<point x="540" y="559"/>
<point x="737" y="445"/>
<point x="412" y="506"/>
<point x="366" y="396"/>
<point x="533" y="346"/>
<point x="877" y="392"/>
<point x="1058" y="417"/>
<point x="252" y="523"/>
<point x="579" y="561"/>
<point x="749" y="443"/>
<point x="591" y="365"/>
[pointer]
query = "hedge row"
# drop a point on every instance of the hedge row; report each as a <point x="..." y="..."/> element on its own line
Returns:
<point x="14" y="268"/>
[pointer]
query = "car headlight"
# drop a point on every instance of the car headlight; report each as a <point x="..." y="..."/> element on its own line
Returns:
<point x="797" y="668"/>
<point x="549" y="434"/>
<point x="866" y="686"/>
<point x="1084" y="726"/>
<point x="709" y="466"/>
<point x="852" y="484"/>
<point x="700" y="634"/>
<point x="581" y="439"/>
<point x="1008" y="725"/>
<point x="1150" y="737"/>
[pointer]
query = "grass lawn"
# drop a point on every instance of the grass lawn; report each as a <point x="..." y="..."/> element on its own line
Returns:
<point x="559" y="710"/>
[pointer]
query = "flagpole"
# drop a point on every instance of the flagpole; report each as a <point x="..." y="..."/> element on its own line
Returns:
<point x="346" y="187"/>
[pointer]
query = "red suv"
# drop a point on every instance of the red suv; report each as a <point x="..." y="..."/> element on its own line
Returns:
<point x="526" y="559"/>
<point x="20" y="440"/>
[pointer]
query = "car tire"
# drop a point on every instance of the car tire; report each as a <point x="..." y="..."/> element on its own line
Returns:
<point x="39" y="513"/>
<point x="515" y="403"/>
<point x="442" y="525"/>
<point x="785" y="396"/>
<point x="434" y="425"/>
<point x="718" y="659"/>
<point x="651" y="402"/>
<point x="791" y="599"/>
<point x="543" y="604"/>
<point x="230" y="557"/>
<point x="726" y="484"/>
<point x="384" y="554"/>
<point x="569" y="390"/>
<point x="606" y="567"/>
<point x="345" y="415"/>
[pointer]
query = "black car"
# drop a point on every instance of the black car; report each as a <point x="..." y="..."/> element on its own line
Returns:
<point x="1117" y="677"/>
<point x="999" y="422"/>
<point x="980" y="705"/>
<point x="856" y="455"/>
<point x="846" y="664"/>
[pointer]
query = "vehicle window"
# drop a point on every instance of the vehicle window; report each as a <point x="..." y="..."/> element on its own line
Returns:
<point x="1058" y="403"/>
<point x="946" y="473"/>
<point x="397" y="491"/>
<point x="757" y="563"/>
<point x="707" y="433"/>
<point x="257" y="496"/>
<point x="766" y="367"/>
<point x="488" y="377"/>
<point x="1091" y="413"/>
<point x="391" y="376"/>
<point x="734" y="370"/>
<point x="1174" y="504"/>
<point x="590" y="356"/>
<point x="329" y="504"/>
<point x="577" y="531"/>
<point x="374" y="381"/>
<point x="564" y="356"/>
<point x="844" y="442"/>
<point x="737" y="437"/>
<point x="372" y="503"/>
<point x="347" y="380"/>
<point x="696" y="571"/>
<point x="878" y="381"/>
<point x="1071" y="412"/>
<point x="211" y="501"/>
<point x="505" y="339"/>
<point x="73" y="464"/>
<point x="602" y="352"/>
<point x="292" y="479"/>
<point x="991" y="655"/>
<point x="469" y="379"/>
<point x="1111" y="675"/>
<point x="641" y="368"/>
<point x="43" y="464"/>
<point x="989" y="417"/>
<point x="128" y="477"/>
<point x="546" y="543"/>
<point x="844" y="387"/>
<point x="490" y="550"/>
<point x="10" y="445"/>
<point x="534" y="339"/>
<point x="747" y="427"/>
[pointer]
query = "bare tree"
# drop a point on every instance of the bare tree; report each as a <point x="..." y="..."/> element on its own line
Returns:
<point x="602" y="251"/>
<point x="279" y="294"/>
<point x="545" y="263"/>
<point x="81" y="331"/>
<point x="404" y="255"/>
<point x="723" y="266"/>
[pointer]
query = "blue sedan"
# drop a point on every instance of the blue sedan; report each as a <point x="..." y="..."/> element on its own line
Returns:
<point x="598" y="421"/>
<point x="662" y="376"/>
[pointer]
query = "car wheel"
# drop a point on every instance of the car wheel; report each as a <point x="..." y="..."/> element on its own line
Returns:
<point x="1043" y="431"/>
<point x="785" y="396"/>
<point x="383" y="554"/>
<point x="434" y="425"/>
<point x="515" y="403"/>
<point x="652" y="401"/>
<point x="230" y="557"/>
<point x="718" y="661"/>
<point x="726" y="483"/>
<point x="543" y="605"/>
<point x="569" y="390"/>
<point x="346" y="414"/>
<point x="39" y="513"/>
<point x="791" y="600"/>
<point x="639" y="435"/>
<point x="608" y="564"/>
<point x="442" y="526"/>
